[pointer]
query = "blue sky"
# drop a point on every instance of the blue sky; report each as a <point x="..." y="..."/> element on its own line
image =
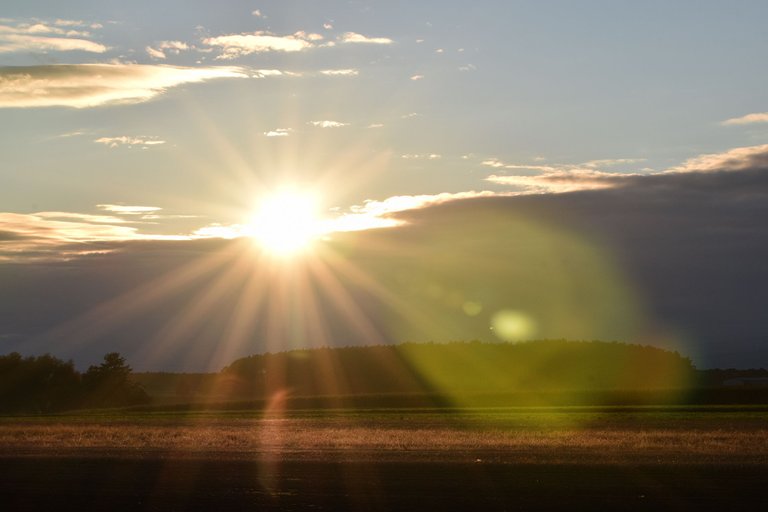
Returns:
<point x="445" y="89"/>
<point x="167" y="121"/>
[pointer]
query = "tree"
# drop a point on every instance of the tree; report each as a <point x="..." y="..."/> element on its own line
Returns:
<point x="37" y="384"/>
<point x="109" y="384"/>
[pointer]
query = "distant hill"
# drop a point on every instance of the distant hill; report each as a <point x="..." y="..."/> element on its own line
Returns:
<point x="550" y="373"/>
<point x="458" y="368"/>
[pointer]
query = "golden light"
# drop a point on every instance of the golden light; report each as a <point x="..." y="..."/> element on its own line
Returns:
<point x="286" y="222"/>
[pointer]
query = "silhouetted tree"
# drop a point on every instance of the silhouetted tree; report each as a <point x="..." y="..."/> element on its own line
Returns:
<point x="109" y="384"/>
<point x="37" y="384"/>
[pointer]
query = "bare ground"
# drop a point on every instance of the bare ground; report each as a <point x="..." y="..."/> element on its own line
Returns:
<point x="522" y="461"/>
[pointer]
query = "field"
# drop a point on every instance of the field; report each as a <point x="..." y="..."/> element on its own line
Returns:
<point x="528" y="458"/>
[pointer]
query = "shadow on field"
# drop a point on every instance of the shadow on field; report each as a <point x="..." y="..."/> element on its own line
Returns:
<point x="204" y="484"/>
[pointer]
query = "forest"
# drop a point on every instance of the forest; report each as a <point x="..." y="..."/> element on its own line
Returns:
<point x="44" y="384"/>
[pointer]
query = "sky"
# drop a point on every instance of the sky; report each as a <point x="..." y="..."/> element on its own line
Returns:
<point x="621" y="145"/>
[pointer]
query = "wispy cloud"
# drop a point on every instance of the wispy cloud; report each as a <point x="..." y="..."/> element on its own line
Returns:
<point x="421" y="156"/>
<point x="736" y="159"/>
<point x="91" y="85"/>
<point x="19" y="42"/>
<point x="375" y="214"/>
<point x="758" y="117"/>
<point x="266" y="73"/>
<point x="557" y="181"/>
<point x="84" y="217"/>
<point x="354" y="37"/>
<point x="125" y="140"/>
<point x="77" y="23"/>
<point x="128" y="210"/>
<point x="154" y="53"/>
<point x="553" y="179"/>
<point x="339" y="72"/>
<point x="609" y="162"/>
<point x="75" y="133"/>
<point x="417" y="77"/>
<point x="237" y="45"/>
<point x="38" y="36"/>
<point x="591" y="164"/>
<point x="559" y="178"/>
<point x="327" y="124"/>
<point x="278" y="132"/>
<point x="159" y="50"/>
<point x="62" y="235"/>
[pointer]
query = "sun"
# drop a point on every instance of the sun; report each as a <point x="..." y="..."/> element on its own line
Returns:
<point x="286" y="222"/>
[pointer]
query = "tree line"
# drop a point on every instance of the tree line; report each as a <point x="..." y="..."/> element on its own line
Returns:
<point x="460" y="367"/>
<point x="47" y="384"/>
<point x="42" y="384"/>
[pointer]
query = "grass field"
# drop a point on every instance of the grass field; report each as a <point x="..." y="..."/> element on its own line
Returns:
<point x="676" y="458"/>
<point x="531" y="435"/>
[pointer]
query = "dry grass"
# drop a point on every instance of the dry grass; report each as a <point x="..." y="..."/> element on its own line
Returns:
<point x="394" y="438"/>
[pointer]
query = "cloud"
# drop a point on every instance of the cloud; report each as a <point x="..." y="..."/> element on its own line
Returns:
<point x="417" y="77"/>
<point x="257" y="13"/>
<point x="237" y="45"/>
<point x="419" y="156"/>
<point x="736" y="159"/>
<point x="85" y="217"/>
<point x="155" y="54"/>
<point x="559" y="178"/>
<point x="76" y="23"/>
<point x="759" y="117"/>
<point x="128" y="210"/>
<point x="353" y="37"/>
<point x="125" y="140"/>
<point x="327" y="124"/>
<point x="278" y="132"/>
<point x="18" y="42"/>
<point x="557" y="182"/>
<point x="339" y="72"/>
<point x="608" y="162"/>
<point x="686" y="250"/>
<point x="92" y="85"/>
<point x="39" y="27"/>
<point x="375" y="214"/>
<point x="264" y="73"/>
<point x="40" y="36"/>
<point x="75" y="133"/>
<point x="62" y="235"/>
<point x="174" y="47"/>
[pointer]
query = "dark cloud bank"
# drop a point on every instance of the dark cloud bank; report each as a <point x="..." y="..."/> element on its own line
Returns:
<point x="675" y="260"/>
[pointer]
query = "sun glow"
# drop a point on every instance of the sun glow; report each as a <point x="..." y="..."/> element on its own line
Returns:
<point x="286" y="222"/>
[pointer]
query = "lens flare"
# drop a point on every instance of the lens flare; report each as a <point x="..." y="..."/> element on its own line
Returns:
<point x="512" y="325"/>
